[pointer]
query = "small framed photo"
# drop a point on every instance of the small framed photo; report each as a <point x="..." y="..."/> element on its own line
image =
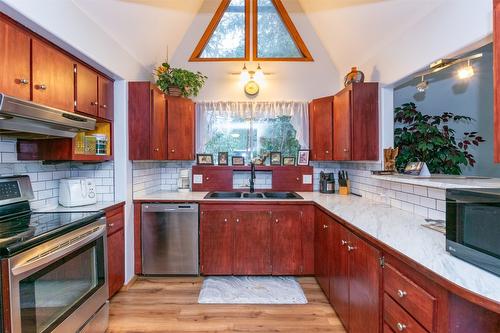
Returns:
<point x="204" y="159"/>
<point x="288" y="160"/>
<point x="303" y="157"/>
<point x="238" y="160"/>
<point x="223" y="158"/>
<point x="275" y="158"/>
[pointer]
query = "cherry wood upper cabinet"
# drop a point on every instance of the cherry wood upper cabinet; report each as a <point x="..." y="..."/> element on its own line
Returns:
<point x="86" y="90"/>
<point x="355" y="123"/>
<point x="252" y="242"/>
<point x="180" y="128"/>
<point x="53" y="77"/>
<point x="496" y="76"/>
<point x="106" y="98"/>
<point x="15" y="69"/>
<point x="320" y="128"/>
<point x="342" y="124"/>
<point x="158" y="125"/>
<point x="286" y="248"/>
<point x="139" y="120"/>
<point x="216" y="242"/>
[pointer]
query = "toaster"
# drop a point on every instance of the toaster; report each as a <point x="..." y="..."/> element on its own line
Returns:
<point x="77" y="192"/>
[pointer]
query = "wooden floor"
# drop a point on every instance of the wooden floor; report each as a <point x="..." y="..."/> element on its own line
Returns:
<point x="171" y="305"/>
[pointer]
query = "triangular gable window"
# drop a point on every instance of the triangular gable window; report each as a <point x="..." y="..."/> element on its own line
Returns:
<point x="274" y="36"/>
<point x="226" y="37"/>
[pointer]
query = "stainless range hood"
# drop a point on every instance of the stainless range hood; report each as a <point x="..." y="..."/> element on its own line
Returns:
<point x="28" y="120"/>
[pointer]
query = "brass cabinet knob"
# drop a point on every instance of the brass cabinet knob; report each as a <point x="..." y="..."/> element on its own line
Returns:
<point x="401" y="327"/>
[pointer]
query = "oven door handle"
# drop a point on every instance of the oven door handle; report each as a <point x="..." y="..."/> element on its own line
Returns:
<point x="59" y="250"/>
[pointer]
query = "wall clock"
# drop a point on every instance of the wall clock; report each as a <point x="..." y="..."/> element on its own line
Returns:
<point x="251" y="88"/>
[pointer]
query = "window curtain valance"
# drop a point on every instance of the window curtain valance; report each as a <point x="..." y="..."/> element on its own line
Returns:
<point x="207" y="112"/>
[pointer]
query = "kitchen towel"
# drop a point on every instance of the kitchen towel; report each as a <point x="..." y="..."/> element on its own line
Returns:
<point x="251" y="290"/>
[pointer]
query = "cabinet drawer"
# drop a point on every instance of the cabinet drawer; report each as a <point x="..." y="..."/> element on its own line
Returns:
<point x="420" y="304"/>
<point x="398" y="319"/>
<point x="114" y="222"/>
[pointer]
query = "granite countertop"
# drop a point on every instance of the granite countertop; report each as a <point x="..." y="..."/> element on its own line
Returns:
<point x="86" y="208"/>
<point x="400" y="230"/>
<point x="443" y="182"/>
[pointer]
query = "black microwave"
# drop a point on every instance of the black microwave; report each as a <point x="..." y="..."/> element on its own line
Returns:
<point x="473" y="226"/>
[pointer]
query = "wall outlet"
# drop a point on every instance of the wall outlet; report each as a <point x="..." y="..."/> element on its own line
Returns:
<point x="197" y="179"/>
<point x="307" y="179"/>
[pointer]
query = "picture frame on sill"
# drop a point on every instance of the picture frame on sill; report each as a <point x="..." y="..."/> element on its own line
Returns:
<point x="289" y="161"/>
<point x="223" y="158"/>
<point x="303" y="157"/>
<point x="238" y="160"/>
<point x="204" y="159"/>
<point x="275" y="158"/>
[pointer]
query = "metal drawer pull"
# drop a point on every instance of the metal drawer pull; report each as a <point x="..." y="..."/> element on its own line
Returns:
<point x="351" y="248"/>
<point x="276" y="220"/>
<point x="111" y="225"/>
<point x="343" y="242"/>
<point x="402" y="293"/>
<point x="225" y="220"/>
<point x="325" y="226"/>
<point x="237" y="220"/>
<point x="401" y="327"/>
<point x="104" y="106"/>
<point x="41" y="87"/>
<point x="23" y="81"/>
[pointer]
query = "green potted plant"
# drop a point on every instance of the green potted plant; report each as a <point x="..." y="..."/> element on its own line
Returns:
<point x="178" y="81"/>
<point x="429" y="139"/>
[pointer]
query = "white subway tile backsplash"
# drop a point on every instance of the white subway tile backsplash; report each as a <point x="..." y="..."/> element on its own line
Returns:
<point x="428" y="202"/>
<point x="437" y="193"/>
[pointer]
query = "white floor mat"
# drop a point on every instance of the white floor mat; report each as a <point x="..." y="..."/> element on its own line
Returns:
<point x="251" y="290"/>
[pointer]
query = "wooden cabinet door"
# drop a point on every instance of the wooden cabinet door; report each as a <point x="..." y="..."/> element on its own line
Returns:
<point x="106" y="98"/>
<point x="496" y="80"/>
<point x="320" y="128"/>
<point x="286" y="248"/>
<point x="139" y="120"/>
<point x="342" y="126"/>
<point x="216" y="242"/>
<point x="116" y="262"/>
<point x="252" y="242"/>
<point x="180" y="129"/>
<point x="364" y="286"/>
<point x="322" y="250"/>
<point x="53" y="77"/>
<point x="339" y="273"/>
<point x="158" y="125"/>
<point x="15" y="66"/>
<point x="86" y="90"/>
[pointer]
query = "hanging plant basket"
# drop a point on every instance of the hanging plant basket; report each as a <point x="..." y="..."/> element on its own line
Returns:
<point x="178" y="81"/>
<point x="174" y="91"/>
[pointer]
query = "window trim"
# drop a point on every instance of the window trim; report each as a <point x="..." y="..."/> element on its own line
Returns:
<point x="196" y="55"/>
<point x="287" y="21"/>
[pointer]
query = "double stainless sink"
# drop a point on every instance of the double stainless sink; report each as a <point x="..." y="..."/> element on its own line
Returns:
<point x="253" y="195"/>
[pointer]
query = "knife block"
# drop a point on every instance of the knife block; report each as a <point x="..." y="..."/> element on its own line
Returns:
<point x="345" y="190"/>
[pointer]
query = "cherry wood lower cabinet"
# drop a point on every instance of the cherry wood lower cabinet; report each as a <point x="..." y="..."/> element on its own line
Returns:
<point x="349" y="272"/>
<point x="254" y="240"/>
<point x="116" y="249"/>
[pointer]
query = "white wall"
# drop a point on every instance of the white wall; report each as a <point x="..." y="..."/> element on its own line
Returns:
<point x="289" y="80"/>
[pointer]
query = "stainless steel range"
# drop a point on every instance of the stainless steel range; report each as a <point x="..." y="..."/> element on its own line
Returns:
<point x="53" y="266"/>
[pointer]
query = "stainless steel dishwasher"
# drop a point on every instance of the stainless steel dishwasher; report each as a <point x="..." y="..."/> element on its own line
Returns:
<point x="169" y="234"/>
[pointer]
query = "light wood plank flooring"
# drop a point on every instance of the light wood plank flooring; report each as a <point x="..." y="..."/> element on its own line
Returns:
<point x="171" y="305"/>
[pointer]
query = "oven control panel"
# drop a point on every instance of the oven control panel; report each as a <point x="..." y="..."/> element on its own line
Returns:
<point x="15" y="189"/>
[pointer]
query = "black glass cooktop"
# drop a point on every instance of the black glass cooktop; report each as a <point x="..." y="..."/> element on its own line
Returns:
<point x="23" y="231"/>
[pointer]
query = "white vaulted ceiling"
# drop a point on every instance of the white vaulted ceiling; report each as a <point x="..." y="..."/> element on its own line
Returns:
<point x="144" y="27"/>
